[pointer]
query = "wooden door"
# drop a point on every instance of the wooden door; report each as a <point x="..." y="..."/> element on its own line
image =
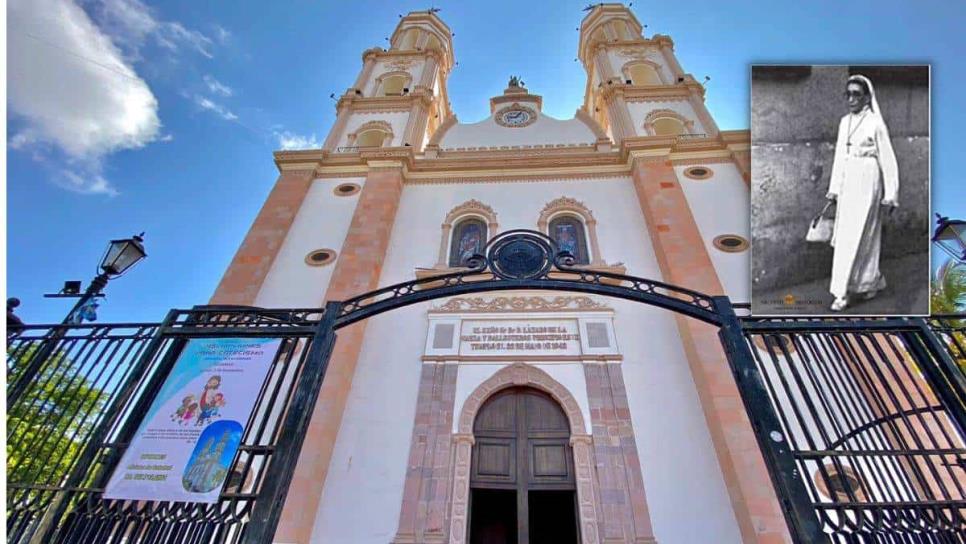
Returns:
<point x="522" y="445"/>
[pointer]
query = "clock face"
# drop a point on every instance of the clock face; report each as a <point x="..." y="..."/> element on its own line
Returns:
<point x="515" y="118"/>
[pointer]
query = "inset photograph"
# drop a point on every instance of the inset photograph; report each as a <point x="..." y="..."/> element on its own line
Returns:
<point x="840" y="210"/>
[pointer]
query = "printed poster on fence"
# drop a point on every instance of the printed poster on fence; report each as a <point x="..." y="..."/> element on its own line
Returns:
<point x="185" y="445"/>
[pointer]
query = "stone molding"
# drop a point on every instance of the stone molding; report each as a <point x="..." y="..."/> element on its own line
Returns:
<point x="504" y="304"/>
<point x="520" y="374"/>
<point x="572" y="206"/>
<point x="471" y="207"/>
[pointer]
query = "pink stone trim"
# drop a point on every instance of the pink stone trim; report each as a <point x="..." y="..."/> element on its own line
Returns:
<point x="520" y="374"/>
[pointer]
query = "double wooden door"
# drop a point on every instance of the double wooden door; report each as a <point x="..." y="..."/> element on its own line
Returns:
<point x="522" y="478"/>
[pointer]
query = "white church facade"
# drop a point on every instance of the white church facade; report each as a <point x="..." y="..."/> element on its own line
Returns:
<point x="558" y="416"/>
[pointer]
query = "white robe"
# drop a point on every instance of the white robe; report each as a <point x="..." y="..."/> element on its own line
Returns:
<point x="864" y="175"/>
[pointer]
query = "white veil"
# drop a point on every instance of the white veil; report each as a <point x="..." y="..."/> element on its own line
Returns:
<point x="868" y="85"/>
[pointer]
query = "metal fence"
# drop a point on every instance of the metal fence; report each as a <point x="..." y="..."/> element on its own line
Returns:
<point x="872" y="411"/>
<point x="872" y="415"/>
<point x="78" y="408"/>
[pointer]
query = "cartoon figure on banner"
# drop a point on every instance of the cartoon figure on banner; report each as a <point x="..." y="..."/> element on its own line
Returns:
<point x="211" y="400"/>
<point x="185" y="408"/>
<point x="210" y="410"/>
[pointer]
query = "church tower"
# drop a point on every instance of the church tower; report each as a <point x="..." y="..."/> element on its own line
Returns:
<point x="400" y="94"/>
<point x="635" y="85"/>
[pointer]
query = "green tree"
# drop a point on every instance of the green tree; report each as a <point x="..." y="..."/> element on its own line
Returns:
<point x="51" y="422"/>
<point x="948" y="296"/>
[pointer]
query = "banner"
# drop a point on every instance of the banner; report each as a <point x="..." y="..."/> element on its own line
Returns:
<point x="185" y="445"/>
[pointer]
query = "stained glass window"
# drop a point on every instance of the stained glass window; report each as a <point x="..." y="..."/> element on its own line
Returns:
<point x="568" y="232"/>
<point x="469" y="237"/>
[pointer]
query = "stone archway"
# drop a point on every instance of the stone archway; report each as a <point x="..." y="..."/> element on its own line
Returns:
<point x="520" y="374"/>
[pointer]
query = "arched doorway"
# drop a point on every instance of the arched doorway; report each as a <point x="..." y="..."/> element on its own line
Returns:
<point x="522" y="483"/>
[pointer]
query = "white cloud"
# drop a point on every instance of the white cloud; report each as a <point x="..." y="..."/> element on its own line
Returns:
<point x="132" y="24"/>
<point x="207" y="104"/>
<point x="222" y="34"/>
<point x="85" y="183"/>
<point x="70" y="86"/>
<point x="289" y="140"/>
<point x="217" y="87"/>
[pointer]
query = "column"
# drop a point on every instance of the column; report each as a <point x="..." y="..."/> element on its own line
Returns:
<point x="425" y="508"/>
<point x="356" y="271"/>
<point x="332" y="140"/>
<point x="253" y="260"/>
<point x="684" y="261"/>
<point x="369" y="61"/>
<point x="620" y="118"/>
<point x="462" y="452"/>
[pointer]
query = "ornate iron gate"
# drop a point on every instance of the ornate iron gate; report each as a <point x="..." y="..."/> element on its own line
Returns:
<point x="860" y="422"/>
<point x="82" y="392"/>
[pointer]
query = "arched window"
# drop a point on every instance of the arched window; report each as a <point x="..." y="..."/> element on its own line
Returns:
<point x="394" y="85"/>
<point x="408" y="40"/>
<point x="371" y="138"/>
<point x="469" y="238"/>
<point x="371" y="134"/>
<point x="433" y="44"/>
<point x="643" y="74"/>
<point x="665" y="122"/>
<point x="668" y="126"/>
<point x="568" y="232"/>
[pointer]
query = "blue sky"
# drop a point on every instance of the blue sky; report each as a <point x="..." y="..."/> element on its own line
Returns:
<point x="124" y="116"/>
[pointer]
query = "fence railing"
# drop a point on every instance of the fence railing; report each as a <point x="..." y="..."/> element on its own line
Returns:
<point x="872" y="411"/>
<point x="81" y="406"/>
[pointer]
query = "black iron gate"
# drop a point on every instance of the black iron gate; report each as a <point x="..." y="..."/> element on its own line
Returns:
<point x="81" y="392"/>
<point x="860" y="422"/>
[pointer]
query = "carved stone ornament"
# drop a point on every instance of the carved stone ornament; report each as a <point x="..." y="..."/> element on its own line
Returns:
<point x="520" y="304"/>
<point x="633" y="53"/>
<point x="402" y="64"/>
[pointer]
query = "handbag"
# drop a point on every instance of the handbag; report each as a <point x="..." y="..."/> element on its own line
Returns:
<point x="820" y="229"/>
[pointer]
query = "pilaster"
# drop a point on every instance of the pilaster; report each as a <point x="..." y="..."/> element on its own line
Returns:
<point x="684" y="261"/>
<point x="356" y="271"/>
<point x="244" y="276"/>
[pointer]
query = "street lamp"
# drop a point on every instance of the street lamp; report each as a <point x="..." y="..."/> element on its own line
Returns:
<point x="950" y="236"/>
<point x="119" y="257"/>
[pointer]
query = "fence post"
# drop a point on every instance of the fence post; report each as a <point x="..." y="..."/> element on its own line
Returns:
<point x="945" y="377"/>
<point x="799" y="513"/>
<point x="85" y="460"/>
<point x="278" y="477"/>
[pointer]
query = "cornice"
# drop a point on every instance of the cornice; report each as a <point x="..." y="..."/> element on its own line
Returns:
<point x="486" y="165"/>
<point x="379" y="104"/>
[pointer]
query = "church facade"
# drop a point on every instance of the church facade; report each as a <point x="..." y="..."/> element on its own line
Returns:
<point x="537" y="414"/>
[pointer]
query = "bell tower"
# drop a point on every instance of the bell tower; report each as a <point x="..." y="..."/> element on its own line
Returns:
<point x="635" y="86"/>
<point x="399" y="98"/>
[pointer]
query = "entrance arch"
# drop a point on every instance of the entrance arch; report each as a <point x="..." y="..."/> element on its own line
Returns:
<point x="517" y="375"/>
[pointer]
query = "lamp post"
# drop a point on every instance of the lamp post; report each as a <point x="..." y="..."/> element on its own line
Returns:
<point x="950" y="236"/>
<point x="120" y="256"/>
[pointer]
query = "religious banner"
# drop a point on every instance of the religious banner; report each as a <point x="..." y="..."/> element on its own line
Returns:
<point x="185" y="445"/>
<point x="529" y="337"/>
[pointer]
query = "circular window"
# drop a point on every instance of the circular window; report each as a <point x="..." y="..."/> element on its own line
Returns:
<point x="731" y="243"/>
<point x="839" y="485"/>
<point x="320" y="257"/>
<point x="698" y="172"/>
<point x="346" y="189"/>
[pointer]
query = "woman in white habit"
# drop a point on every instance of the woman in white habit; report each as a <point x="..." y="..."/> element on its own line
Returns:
<point x="865" y="179"/>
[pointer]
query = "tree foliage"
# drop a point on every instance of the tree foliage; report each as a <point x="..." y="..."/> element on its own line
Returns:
<point x="948" y="296"/>
<point x="51" y="422"/>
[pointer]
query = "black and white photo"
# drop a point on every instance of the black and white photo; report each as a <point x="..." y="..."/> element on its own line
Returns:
<point x="840" y="190"/>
